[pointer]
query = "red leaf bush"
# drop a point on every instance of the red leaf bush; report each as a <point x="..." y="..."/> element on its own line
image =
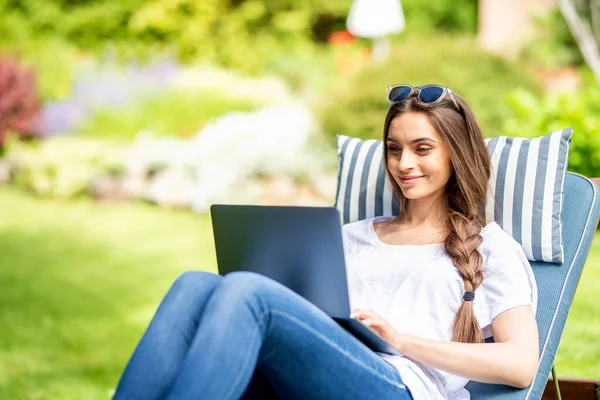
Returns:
<point x="19" y="100"/>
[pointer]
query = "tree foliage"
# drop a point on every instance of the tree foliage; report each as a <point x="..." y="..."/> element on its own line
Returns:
<point x="236" y="33"/>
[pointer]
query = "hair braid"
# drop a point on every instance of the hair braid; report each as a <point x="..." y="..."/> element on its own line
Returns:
<point x="461" y="244"/>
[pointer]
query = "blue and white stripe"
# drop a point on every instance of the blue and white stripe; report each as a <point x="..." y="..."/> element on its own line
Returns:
<point x="524" y="192"/>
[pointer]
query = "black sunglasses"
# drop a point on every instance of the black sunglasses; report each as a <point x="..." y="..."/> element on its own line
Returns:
<point x="430" y="94"/>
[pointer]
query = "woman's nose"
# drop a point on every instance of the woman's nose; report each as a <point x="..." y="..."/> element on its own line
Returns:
<point x="407" y="161"/>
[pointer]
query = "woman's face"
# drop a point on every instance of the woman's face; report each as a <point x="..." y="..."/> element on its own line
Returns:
<point x="418" y="159"/>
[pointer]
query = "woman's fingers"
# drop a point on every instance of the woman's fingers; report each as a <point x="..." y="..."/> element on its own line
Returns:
<point x="365" y="313"/>
<point x="372" y="322"/>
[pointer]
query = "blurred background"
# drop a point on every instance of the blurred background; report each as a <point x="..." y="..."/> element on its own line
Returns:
<point x="121" y="122"/>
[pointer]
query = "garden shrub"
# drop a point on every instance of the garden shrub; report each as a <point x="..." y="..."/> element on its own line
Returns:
<point x="54" y="61"/>
<point x="61" y="167"/>
<point x="105" y="86"/>
<point x="459" y="16"/>
<point x="357" y="106"/>
<point x="19" y="103"/>
<point x="176" y="112"/>
<point x="163" y="97"/>
<point x="533" y="116"/>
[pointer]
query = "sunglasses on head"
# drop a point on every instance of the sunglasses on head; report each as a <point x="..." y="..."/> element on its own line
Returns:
<point x="429" y="94"/>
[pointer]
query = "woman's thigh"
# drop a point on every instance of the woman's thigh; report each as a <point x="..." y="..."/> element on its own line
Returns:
<point x="307" y="355"/>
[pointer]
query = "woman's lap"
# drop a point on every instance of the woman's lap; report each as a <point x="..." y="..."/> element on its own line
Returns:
<point x="304" y="345"/>
<point x="301" y="351"/>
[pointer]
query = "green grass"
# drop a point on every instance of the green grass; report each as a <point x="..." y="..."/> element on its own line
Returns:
<point x="579" y="352"/>
<point x="80" y="282"/>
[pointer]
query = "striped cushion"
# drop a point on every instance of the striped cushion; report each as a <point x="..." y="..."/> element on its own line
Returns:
<point x="524" y="195"/>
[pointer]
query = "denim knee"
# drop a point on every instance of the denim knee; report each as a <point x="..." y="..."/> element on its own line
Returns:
<point x="248" y="287"/>
<point x="248" y="283"/>
<point x="194" y="280"/>
<point x="193" y="284"/>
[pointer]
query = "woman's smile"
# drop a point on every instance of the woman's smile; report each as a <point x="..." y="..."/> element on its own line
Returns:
<point x="410" y="180"/>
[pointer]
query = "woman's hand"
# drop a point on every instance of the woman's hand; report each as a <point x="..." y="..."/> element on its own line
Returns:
<point x="378" y="324"/>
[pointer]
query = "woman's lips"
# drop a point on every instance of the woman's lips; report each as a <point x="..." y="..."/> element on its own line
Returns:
<point x="408" y="181"/>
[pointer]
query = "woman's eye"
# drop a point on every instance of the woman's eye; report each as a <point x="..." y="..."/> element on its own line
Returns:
<point x="393" y="149"/>
<point x="423" y="149"/>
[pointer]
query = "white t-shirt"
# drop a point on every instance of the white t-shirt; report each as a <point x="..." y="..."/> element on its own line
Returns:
<point x="417" y="289"/>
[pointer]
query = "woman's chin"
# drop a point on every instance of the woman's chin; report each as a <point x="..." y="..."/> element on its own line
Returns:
<point x="411" y="193"/>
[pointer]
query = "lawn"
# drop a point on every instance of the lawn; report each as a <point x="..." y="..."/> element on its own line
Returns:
<point x="80" y="281"/>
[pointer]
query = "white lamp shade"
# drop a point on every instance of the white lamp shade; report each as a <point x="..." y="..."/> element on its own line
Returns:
<point x="375" y="18"/>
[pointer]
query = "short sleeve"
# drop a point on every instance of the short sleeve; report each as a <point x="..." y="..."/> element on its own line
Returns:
<point x="348" y="240"/>
<point x="508" y="279"/>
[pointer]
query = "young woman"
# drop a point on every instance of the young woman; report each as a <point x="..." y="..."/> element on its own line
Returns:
<point x="433" y="282"/>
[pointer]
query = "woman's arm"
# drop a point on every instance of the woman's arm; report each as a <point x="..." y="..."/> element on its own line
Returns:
<point x="511" y="360"/>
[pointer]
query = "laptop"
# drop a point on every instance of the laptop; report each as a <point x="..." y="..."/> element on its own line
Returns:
<point x="299" y="247"/>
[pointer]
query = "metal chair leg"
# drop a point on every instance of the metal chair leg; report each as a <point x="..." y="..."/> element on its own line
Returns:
<point x="555" y="380"/>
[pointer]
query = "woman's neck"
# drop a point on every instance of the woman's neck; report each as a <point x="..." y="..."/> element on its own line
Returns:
<point x="425" y="212"/>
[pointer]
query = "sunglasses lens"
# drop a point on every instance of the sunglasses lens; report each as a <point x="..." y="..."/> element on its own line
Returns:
<point x="399" y="93"/>
<point x="431" y="94"/>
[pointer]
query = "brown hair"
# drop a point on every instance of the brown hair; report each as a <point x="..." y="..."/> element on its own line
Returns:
<point x="466" y="193"/>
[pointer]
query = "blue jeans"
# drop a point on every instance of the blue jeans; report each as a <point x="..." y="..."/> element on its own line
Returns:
<point x="247" y="336"/>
